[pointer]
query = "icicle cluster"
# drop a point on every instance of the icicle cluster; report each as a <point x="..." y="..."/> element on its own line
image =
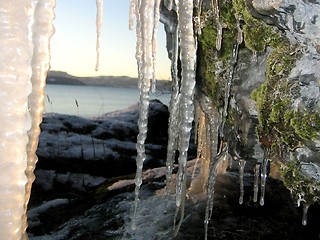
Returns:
<point x="24" y="53"/>
<point x="213" y="155"/>
<point x="147" y="14"/>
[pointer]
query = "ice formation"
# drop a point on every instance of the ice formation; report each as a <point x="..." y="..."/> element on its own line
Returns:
<point x="242" y="164"/>
<point x="25" y="34"/>
<point x="147" y="15"/>
<point x="42" y="30"/>
<point x="99" y="20"/>
<point x="216" y="11"/>
<point x="305" y="213"/>
<point x="256" y="182"/>
<point x="24" y="63"/>
<point x="264" y="175"/>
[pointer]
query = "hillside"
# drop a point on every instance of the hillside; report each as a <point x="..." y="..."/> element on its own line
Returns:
<point x="57" y="77"/>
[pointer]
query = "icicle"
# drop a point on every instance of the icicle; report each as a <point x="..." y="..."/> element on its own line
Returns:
<point x="99" y="20"/>
<point x="211" y="182"/>
<point x="42" y="31"/>
<point x="254" y="57"/>
<point x="15" y="73"/>
<point x="138" y="54"/>
<point x="188" y="61"/>
<point x="188" y="57"/>
<point x="242" y="164"/>
<point x="215" y="8"/>
<point x="233" y="62"/>
<point x="240" y="33"/>
<point x="198" y="18"/>
<point x="155" y="42"/>
<point x="305" y="213"/>
<point x="256" y="182"/>
<point x="264" y="175"/>
<point x="173" y="108"/>
<point x="200" y="130"/>
<point x="145" y="27"/>
<point x="132" y="10"/>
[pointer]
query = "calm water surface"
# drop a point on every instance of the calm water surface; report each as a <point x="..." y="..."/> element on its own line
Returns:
<point x="90" y="101"/>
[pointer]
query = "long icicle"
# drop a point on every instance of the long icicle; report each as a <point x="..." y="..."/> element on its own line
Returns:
<point x="242" y="164"/>
<point x="42" y="30"/>
<point x="15" y="73"/>
<point x="145" y="11"/>
<point x="173" y="108"/>
<point x="264" y="175"/>
<point x="188" y="62"/>
<point x="256" y="182"/>
<point x="233" y="62"/>
<point x="99" y="20"/>
<point x="211" y="182"/>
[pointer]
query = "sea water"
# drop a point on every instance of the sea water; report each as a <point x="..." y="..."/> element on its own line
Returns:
<point x="92" y="101"/>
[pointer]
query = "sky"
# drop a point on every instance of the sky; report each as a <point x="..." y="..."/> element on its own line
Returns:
<point x="73" y="46"/>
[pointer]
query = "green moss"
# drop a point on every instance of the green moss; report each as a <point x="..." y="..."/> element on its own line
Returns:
<point x="214" y="64"/>
<point x="301" y="188"/>
<point x="279" y="125"/>
<point x="305" y="125"/>
<point x="273" y="100"/>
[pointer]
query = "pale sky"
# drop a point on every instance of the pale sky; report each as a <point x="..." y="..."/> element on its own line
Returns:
<point x="73" y="46"/>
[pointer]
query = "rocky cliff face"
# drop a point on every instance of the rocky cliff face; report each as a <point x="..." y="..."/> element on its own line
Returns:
<point x="260" y="81"/>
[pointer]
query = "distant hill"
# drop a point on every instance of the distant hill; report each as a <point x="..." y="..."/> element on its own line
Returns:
<point x="63" y="78"/>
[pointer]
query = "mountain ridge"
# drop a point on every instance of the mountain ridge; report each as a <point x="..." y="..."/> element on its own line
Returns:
<point x="63" y="78"/>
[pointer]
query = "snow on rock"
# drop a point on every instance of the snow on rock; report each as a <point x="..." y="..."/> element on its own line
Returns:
<point x="95" y="144"/>
<point x="34" y="213"/>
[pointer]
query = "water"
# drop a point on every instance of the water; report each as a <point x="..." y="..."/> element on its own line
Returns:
<point x="90" y="101"/>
